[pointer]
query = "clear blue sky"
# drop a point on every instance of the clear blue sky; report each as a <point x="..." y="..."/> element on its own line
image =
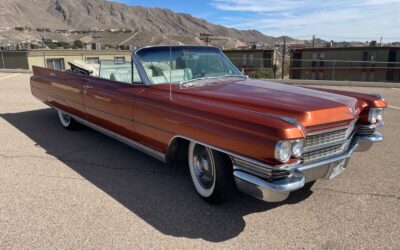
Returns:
<point x="334" y="19"/>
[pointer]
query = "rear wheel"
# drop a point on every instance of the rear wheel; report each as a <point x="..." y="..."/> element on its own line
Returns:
<point x="211" y="173"/>
<point x="66" y="120"/>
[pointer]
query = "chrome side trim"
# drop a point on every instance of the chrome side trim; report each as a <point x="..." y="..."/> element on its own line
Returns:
<point x="149" y="151"/>
<point x="231" y="154"/>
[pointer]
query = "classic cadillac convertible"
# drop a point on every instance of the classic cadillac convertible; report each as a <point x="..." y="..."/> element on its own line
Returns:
<point x="190" y="103"/>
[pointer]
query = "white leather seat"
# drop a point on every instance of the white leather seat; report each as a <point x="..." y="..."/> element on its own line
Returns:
<point x="121" y="77"/>
<point x="105" y="75"/>
<point x="158" y="79"/>
<point x="178" y="75"/>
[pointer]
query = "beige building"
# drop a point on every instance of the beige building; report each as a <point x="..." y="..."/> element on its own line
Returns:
<point x="249" y="59"/>
<point x="351" y="63"/>
<point x="57" y="59"/>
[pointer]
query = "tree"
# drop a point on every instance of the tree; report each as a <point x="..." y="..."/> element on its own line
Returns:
<point x="78" y="44"/>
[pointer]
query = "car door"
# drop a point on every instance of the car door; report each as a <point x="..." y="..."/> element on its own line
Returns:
<point x="64" y="90"/>
<point x="109" y="104"/>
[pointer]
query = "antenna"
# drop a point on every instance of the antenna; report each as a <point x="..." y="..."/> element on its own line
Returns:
<point x="170" y="61"/>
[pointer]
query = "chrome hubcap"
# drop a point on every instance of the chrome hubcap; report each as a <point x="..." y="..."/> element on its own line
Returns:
<point x="66" y="118"/>
<point x="203" y="168"/>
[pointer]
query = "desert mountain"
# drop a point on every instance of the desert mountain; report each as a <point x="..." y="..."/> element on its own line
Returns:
<point x="151" y="25"/>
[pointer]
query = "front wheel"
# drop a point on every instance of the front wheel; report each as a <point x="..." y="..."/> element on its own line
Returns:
<point x="308" y="185"/>
<point x="211" y="173"/>
<point x="66" y="120"/>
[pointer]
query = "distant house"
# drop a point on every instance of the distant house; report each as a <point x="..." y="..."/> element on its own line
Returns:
<point x="350" y="63"/>
<point x="57" y="59"/>
<point x="251" y="59"/>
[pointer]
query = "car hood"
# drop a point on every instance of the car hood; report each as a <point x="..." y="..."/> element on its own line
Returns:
<point x="308" y="106"/>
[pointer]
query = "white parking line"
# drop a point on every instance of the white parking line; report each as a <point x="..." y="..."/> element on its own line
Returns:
<point x="6" y="77"/>
<point x="393" y="107"/>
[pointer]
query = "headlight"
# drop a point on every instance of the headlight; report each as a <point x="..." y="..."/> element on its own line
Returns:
<point x="285" y="149"/>
<point x="297" y="147"/>
<point x="375" y="115"/>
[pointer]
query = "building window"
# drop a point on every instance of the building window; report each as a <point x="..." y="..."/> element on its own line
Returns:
<point x="314" y="60"/>
<point x="119" y="60"/>
<point x="322" y="60"/>
<point x="365" y="59"/>
<point x="93" y="60"/>
<point x="251" y="60"/>
<point x="56" y="63"/>
<point x="244" y="60"/>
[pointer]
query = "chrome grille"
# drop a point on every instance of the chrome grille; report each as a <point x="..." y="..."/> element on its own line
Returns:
<point x="324" y="145"/>
<point x="322" y="153"/>
<point x="329" y="137"/>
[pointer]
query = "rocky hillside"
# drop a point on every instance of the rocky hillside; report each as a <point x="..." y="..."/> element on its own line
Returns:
<point x="154" y="23"/>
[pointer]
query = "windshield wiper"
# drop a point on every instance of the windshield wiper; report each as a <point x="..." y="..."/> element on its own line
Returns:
<point x="197" y="79"/>
<point x="212" y="77"/>
<point x="238" y="76"/>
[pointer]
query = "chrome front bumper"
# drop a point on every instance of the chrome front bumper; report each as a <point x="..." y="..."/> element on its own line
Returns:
<point x="279" y="190"/>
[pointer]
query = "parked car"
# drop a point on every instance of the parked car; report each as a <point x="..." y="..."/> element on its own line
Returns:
<point x="191" y="103"/>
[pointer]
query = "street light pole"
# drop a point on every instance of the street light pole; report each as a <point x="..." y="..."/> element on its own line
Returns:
<point x="283" y="56"/>
<point x="2" y="59"/>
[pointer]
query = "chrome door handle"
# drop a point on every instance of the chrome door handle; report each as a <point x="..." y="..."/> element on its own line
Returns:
<point x="87" y="87"/>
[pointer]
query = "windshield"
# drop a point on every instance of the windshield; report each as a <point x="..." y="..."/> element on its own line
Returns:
<point x="178" y="64"/>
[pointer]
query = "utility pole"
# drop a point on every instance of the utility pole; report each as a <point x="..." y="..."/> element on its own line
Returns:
<point x="313" y="41"/>
<point x="380" y="43"/>
<point x="206" y="38"/>
<point x="2" y="59"/>
<point x="283" y="55"/>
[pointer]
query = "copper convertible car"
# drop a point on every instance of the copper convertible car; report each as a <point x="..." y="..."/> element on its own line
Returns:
<point x="191" y="103"/>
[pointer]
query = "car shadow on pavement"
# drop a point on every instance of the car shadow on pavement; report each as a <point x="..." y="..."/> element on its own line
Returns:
<point x="161" y="195"/>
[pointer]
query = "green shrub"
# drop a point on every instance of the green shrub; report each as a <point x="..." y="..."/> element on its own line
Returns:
<point x="262" y="73"/>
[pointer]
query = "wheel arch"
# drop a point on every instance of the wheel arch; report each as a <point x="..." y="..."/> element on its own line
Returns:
<point x="179" y="145"/>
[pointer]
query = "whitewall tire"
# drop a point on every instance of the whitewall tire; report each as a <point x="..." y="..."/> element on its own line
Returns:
<point x="211" y="173"/>
<point x="66" y="120"/>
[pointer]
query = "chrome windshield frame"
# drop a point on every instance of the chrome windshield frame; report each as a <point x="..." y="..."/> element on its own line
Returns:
<point x="145" y="79"/>
<point x="140" y="68"/>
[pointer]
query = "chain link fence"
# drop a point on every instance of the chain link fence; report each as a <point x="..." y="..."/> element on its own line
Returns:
<point x="345" y="70"/>
<point x="13" y="59"/>
<point x="259" y="68"/>
<point x="332" y="70"/>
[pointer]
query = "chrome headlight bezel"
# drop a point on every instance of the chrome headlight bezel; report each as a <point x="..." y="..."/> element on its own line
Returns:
<point x="285" y="149"/>
<point x="297" y="147"/>
<point x="375" y="115"/>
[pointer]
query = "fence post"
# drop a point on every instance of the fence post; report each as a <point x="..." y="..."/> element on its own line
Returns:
<point x="2" y="59"/>
<point x="44" y="61"/>
<point x="333" y="69"/>
<point x="283" y="57"/>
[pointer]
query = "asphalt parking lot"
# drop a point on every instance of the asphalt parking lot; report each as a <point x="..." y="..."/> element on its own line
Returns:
<point x="70" y="190"/>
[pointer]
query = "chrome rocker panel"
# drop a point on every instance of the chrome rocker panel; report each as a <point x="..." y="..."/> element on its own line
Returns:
<point x="279" y="190"/>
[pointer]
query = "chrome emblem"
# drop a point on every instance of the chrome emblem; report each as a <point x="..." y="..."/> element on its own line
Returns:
<point x="351" y="111"/>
